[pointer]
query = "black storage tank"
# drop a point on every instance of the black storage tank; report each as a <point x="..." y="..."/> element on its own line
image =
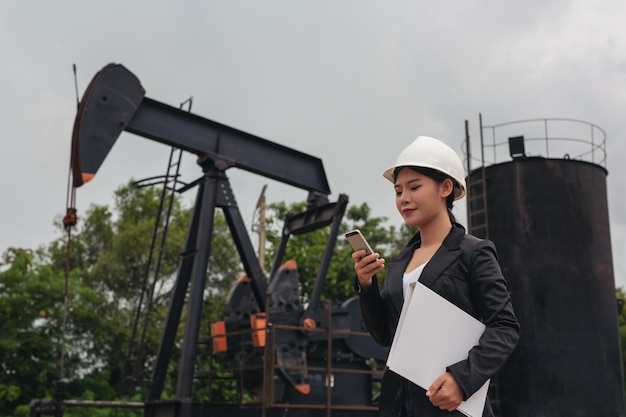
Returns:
<point x="549" y="220"/>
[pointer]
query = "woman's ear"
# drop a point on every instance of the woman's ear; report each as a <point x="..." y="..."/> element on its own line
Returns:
<point x="446" y="187"/>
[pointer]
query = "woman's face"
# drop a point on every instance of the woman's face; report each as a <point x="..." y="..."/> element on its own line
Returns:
<point x="419" y="198"/>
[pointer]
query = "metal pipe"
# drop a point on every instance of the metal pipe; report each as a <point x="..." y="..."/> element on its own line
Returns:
<point x="102" y="404"/>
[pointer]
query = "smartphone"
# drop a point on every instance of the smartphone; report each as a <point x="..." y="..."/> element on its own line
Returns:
<point x="358" y="242"/>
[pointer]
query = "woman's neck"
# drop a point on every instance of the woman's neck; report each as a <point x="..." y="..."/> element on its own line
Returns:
<point x="435" y="231"/>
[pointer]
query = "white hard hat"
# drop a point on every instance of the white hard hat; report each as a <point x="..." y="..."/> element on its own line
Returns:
<point x="427" y="152"/>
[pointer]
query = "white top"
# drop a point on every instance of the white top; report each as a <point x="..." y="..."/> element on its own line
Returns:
<point x="411" y="277"/>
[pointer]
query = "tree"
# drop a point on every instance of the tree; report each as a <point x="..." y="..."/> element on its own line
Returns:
<point x="30" y="297"/>
<point x="109" y="255"/>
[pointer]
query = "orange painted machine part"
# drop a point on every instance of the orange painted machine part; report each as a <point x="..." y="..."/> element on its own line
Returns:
<point x="309" y="323"/>
<point x="290" y="264"/>
<point x="304" y="389"/>
<point x="258" y="323"/>
<point x="243" y="278"/>
<point x="86" y="177"/>
<point x="218" y="332"/>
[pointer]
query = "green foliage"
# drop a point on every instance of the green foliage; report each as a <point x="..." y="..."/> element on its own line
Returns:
<point x="109" y="258"/>
<point x="30" y="296"/>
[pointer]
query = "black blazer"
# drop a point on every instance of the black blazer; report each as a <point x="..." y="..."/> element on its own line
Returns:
<point x="465" y="271"/>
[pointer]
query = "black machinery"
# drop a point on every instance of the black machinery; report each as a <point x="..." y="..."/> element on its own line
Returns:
<point x="316" y="357"/>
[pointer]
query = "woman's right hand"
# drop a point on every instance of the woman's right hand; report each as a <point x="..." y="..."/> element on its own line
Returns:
<point x="366" y="267"/>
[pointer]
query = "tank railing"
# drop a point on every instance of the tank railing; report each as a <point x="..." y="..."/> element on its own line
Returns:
<point x="588" y="139"/>
<point x="269" y="366"/>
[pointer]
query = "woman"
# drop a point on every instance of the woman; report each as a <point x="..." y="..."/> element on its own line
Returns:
<point x="428" y="177"/>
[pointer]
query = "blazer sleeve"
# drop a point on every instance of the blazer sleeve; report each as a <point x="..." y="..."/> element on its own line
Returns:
<point x="374" y="313"/>
<point x="493" y="303"/>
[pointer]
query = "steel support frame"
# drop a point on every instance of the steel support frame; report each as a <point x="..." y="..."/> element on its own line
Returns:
<point x="214" y="192"/>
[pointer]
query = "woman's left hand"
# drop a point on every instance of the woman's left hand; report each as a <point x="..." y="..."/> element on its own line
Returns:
<point x="445" y="392"/>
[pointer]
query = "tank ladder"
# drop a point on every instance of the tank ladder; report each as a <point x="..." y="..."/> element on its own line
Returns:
<point x="477" y="210"/>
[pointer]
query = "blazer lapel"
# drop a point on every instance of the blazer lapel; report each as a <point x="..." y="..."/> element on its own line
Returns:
<point x="445" y="255"/>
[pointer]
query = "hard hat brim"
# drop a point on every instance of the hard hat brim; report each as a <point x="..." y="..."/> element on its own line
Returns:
<point x="459" y="189"/>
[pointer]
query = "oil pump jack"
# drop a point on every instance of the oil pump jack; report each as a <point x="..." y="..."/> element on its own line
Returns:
<point x="314" y="359"/>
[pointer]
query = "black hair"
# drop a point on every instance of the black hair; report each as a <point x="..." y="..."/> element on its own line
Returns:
<point x="439" y="177"/>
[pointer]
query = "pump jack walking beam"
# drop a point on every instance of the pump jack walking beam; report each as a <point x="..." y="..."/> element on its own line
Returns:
<point x="115" y="102"/>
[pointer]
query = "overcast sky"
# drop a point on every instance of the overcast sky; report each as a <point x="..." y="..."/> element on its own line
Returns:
<point x="351" y="82"/>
